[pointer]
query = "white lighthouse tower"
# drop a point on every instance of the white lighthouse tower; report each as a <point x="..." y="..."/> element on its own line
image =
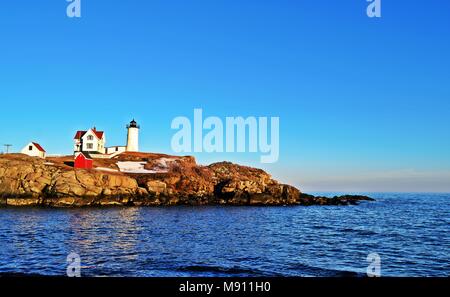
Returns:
<point x="133" y="137"/>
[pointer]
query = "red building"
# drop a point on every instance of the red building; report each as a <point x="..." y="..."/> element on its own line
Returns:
<point x="83" y="160"/>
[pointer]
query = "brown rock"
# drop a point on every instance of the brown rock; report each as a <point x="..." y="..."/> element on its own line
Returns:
<point x="28" y="181"/>
<point x="156" y="187"/>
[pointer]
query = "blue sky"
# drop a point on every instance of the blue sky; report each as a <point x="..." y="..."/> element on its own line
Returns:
<point x="364" y="104"/>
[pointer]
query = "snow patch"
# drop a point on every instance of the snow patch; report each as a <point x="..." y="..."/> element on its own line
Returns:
<point x="133" y="167"/>
<point x="163" y="162"/>
<point x="138" y="167"/>
<point x="106" y="169"/>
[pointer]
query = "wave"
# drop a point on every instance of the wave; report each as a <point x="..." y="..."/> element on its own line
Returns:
<point x="293" y="270"/>
<point x="228" y="270"/>
<point x="359" y="231"/>
<point x="306" y="270"/>
<point x="25" y="274"/>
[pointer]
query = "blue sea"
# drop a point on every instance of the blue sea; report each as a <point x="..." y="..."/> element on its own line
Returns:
<point x="410" y="233"/>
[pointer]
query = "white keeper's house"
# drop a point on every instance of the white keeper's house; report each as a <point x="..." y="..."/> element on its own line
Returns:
<point x="34" y="149"/>
<point x="93" y="142"/>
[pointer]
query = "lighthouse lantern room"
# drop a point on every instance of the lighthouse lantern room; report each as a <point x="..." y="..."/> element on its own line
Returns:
<point x="133" y="137"/>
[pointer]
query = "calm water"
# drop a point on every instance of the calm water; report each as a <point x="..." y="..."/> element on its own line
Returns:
<point x="411" y="233"/>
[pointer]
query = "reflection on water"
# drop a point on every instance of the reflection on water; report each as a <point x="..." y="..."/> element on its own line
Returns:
<point x="93" y="232"/>
<point x="232" y="241"/>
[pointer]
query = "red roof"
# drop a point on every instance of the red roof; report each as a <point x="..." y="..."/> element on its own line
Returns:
<point x="38" y="146"/>
<point x="99" y="134"/>
<point x="83" y="155"/>
<point x="80" y="134"/>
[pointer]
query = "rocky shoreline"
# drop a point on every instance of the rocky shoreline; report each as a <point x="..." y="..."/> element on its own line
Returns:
<point x="166" y="180"/>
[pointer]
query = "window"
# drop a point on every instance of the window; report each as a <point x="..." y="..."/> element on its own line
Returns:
<point x="30" y="148"/>
<point x="90" y="137"/>
<point x="117" y="149"/>
<point x="89" y="146"/>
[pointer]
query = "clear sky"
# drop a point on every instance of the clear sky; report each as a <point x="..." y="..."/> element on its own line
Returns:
<point x="364" y="104"/>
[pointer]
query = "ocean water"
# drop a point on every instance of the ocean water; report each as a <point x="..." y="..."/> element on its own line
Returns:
<point x="410" y="233"/>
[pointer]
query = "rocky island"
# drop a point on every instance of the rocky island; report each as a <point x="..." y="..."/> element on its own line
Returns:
<point x="144" y="179"/>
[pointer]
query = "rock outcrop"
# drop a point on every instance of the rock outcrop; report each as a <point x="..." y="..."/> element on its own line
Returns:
<point x="27" y="181"/>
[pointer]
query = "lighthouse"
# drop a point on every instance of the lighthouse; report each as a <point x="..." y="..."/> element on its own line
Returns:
<point x="133" y="137"/>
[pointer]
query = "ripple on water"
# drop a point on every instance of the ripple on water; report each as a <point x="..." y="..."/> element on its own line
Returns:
<point x="233" y="241"/>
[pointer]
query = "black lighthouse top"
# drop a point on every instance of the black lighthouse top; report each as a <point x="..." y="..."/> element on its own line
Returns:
<point x="133" y="124"/>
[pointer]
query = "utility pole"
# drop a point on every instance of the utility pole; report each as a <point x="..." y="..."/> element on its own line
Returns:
<point x="7" y="146"/>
